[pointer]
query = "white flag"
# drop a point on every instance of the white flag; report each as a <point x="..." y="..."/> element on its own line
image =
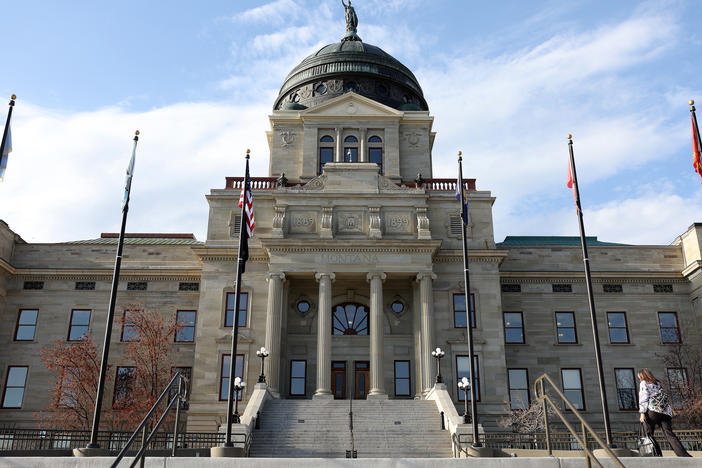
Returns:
<point x="5" y="153"/>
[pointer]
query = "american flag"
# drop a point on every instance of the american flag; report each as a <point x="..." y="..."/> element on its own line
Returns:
<point x="246" y="203"/>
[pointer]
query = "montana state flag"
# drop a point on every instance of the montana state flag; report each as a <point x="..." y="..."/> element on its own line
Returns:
<point x="461" y="196"/>
<point x="8" y="148"/>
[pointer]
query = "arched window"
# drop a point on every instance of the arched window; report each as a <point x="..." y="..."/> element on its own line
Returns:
<point x="350" y="319"/>
<point x="375" y="151"/>
<point x="326" y="151"/>
<point x="351" y="149"/>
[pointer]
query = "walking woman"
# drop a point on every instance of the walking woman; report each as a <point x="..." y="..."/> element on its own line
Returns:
<point x="655" y="410"/>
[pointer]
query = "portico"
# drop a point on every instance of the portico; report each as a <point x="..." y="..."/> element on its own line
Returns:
<point x="355" y="277"/>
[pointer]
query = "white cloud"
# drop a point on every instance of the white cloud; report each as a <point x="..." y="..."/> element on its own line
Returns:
<point x="276" y="13"/>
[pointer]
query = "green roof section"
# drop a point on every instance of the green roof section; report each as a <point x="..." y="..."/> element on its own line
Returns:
<point x="109" y="238"/>
<point x="553" y="241"/>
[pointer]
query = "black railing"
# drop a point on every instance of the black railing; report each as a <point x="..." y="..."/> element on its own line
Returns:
<point x="691" y="440"/>
<point x="16" y="440"/>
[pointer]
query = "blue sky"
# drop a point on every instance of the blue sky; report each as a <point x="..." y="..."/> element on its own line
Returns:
<point x="505" y="82"/>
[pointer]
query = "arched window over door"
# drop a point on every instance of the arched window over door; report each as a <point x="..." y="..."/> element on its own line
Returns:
<point x="351" y="149"/>
<point x="350" y="319"/>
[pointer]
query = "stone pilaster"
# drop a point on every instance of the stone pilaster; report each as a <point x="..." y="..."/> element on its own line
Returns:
<point x="417" y="332"/>
<point x="377" y="387"/>
<point x="426" y="302"/>
<point x="324" y="329"/>
<point x="274" y="313"/>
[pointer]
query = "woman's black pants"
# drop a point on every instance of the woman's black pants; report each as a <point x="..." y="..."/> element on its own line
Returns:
<point x="654" y="419"/>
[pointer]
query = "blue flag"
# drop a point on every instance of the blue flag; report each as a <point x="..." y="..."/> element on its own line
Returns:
<point x="5" y="153"/>
<point x="461" y="197"/>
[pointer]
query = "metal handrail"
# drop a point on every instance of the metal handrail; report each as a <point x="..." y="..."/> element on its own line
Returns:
<point x="546" y="400"/>
<point x="176" y="398"/>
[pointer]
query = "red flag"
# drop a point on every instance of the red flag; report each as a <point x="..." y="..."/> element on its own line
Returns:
<point x="569" y="182"/>
<point x="696" y="149"/>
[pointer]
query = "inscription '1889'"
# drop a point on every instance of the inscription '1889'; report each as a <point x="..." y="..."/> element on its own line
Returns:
<point x="349" y="257"/>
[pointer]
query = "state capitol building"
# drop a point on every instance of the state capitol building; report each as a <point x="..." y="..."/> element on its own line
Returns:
<point x="355" y="275"/>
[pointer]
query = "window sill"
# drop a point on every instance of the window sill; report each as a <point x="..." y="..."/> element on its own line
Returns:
<point x="620" y="344"/>
<point x="567" y="344"/>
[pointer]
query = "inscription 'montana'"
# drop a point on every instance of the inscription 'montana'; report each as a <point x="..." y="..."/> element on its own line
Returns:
<point x="349" y="257"/>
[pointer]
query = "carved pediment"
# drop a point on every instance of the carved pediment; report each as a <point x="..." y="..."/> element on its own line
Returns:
<point x="352" y="105"/>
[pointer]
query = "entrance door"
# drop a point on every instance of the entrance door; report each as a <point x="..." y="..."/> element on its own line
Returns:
<point x="362" y="379"/>
<point x="338" y="375"/>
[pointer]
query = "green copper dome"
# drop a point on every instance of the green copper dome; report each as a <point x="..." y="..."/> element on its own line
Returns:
<point x="351" y="65"/>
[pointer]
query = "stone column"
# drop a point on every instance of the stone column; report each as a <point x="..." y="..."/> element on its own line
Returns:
<point x="426" y="302"/>
<point x="338" y="156"/>
<point x="363" y="156"/>
<point x="324" y="329"/>
<point x="417" y="330"/>
<point x="377" y="387"/>
<point x="274" y="314"/>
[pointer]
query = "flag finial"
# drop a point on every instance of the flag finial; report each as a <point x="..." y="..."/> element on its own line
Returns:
<point x="570" y="137"/>
<point x="13" y="97"/>
<point x="459" y="155"/>
<point x="136" y="135"/>
<point x="691" y="101"/>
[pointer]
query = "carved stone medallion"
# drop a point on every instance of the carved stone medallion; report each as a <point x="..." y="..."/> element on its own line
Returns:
<point x="303" y="223"/>
<point x="350" y="223"/>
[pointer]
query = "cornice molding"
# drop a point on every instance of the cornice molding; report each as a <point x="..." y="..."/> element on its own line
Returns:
<point x="283" y="246"/>
<point x="480" y="256"/>
<point x="525" y="277"/>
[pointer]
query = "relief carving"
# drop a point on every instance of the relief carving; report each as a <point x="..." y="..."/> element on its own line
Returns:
<point x="326" y="222"/>
<point x="278" y="221"/>
<point x="413" y="138"/>
<point x="398" y="223"/>
<point x="287" y="138"/>
<point x="303" y="223"/>
<point x="350" y="223"/>
<point x="374" y="232"/>
<point x="423" y="231"/>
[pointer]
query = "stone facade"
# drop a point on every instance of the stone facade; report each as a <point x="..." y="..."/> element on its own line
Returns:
<point x="369" y="237"/>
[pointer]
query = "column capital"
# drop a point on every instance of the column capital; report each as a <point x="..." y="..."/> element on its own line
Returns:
<point x="275" y="274"/>
<point x="376" y="274"/>
<point x="321" y="274"/>
<point x="425" y="275"/>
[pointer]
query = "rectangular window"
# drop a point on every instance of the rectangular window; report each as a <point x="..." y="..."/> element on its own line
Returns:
<point x="375" y="155"/>
<point x="186" y="319"/>
<point x="463" y="370"/>
<point x="402" y="378"/>
<point x="129" y="331"/>
<point x="670" y="330"/>
<point x="562" y="288"/>
<point x="565" y="328"/>
<point x="33" y="285"/>
<point x="325" y="155"/>
<point x="351" y="155"/>
<point x="26" y="325"/>
<point x="627" y="397"/>
<point x="188" y="286"/>
<point x="15" y="382"/>
<point x="677" y="378"/>
<point x="612" y="288"/>
<point x="187" y="372"/>
<point x="243" y="309"/>
<point x="124" y="387"/>
<point x="514" y="327"/>
<point x="224" y="374"/>
<point x="136" y="286"/>
<point x="511" y="288"/>
<point x="573" y="387"/>
<point x="618" y="330"/>
<point x="459" y="310"/>
<point x="298" y="378"/>
<point x="518" y="381"/>
<point x="662" y="288"/>
<point x="80" y="323"/>
<point x="85" y="285"/>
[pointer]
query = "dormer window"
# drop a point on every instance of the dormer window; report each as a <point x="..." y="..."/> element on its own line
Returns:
<point x="375" y="151"/>
<point x="351" y="149"/>
<point x="326" y="151"/>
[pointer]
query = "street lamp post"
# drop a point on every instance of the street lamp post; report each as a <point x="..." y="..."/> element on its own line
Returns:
<point x="263" y="354"/>
<point x="238" y="387"/>
<point x="438" y="353"/>
<point x="464" y="384"/>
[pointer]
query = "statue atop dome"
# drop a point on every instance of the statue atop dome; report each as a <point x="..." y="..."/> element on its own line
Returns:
<point x="351" y="23"/>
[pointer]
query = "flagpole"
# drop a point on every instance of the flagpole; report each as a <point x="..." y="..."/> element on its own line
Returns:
<point x="7" y="124"/>
<point x="590" y="296"/>
<point x="469" y="324"/>
<point x="111" y="313"/>
<point x="235" y="325"/>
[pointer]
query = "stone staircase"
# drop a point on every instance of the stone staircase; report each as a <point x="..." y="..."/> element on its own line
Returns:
<point x="320" y="429"/>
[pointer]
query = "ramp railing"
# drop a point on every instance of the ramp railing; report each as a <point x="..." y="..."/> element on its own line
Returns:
<point x="585" y="429"/>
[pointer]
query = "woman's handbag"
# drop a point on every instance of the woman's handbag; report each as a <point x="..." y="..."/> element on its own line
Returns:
<point x="646" y="445"/>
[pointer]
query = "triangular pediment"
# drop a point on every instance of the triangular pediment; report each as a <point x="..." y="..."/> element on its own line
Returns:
<point x="352" y="105"/>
